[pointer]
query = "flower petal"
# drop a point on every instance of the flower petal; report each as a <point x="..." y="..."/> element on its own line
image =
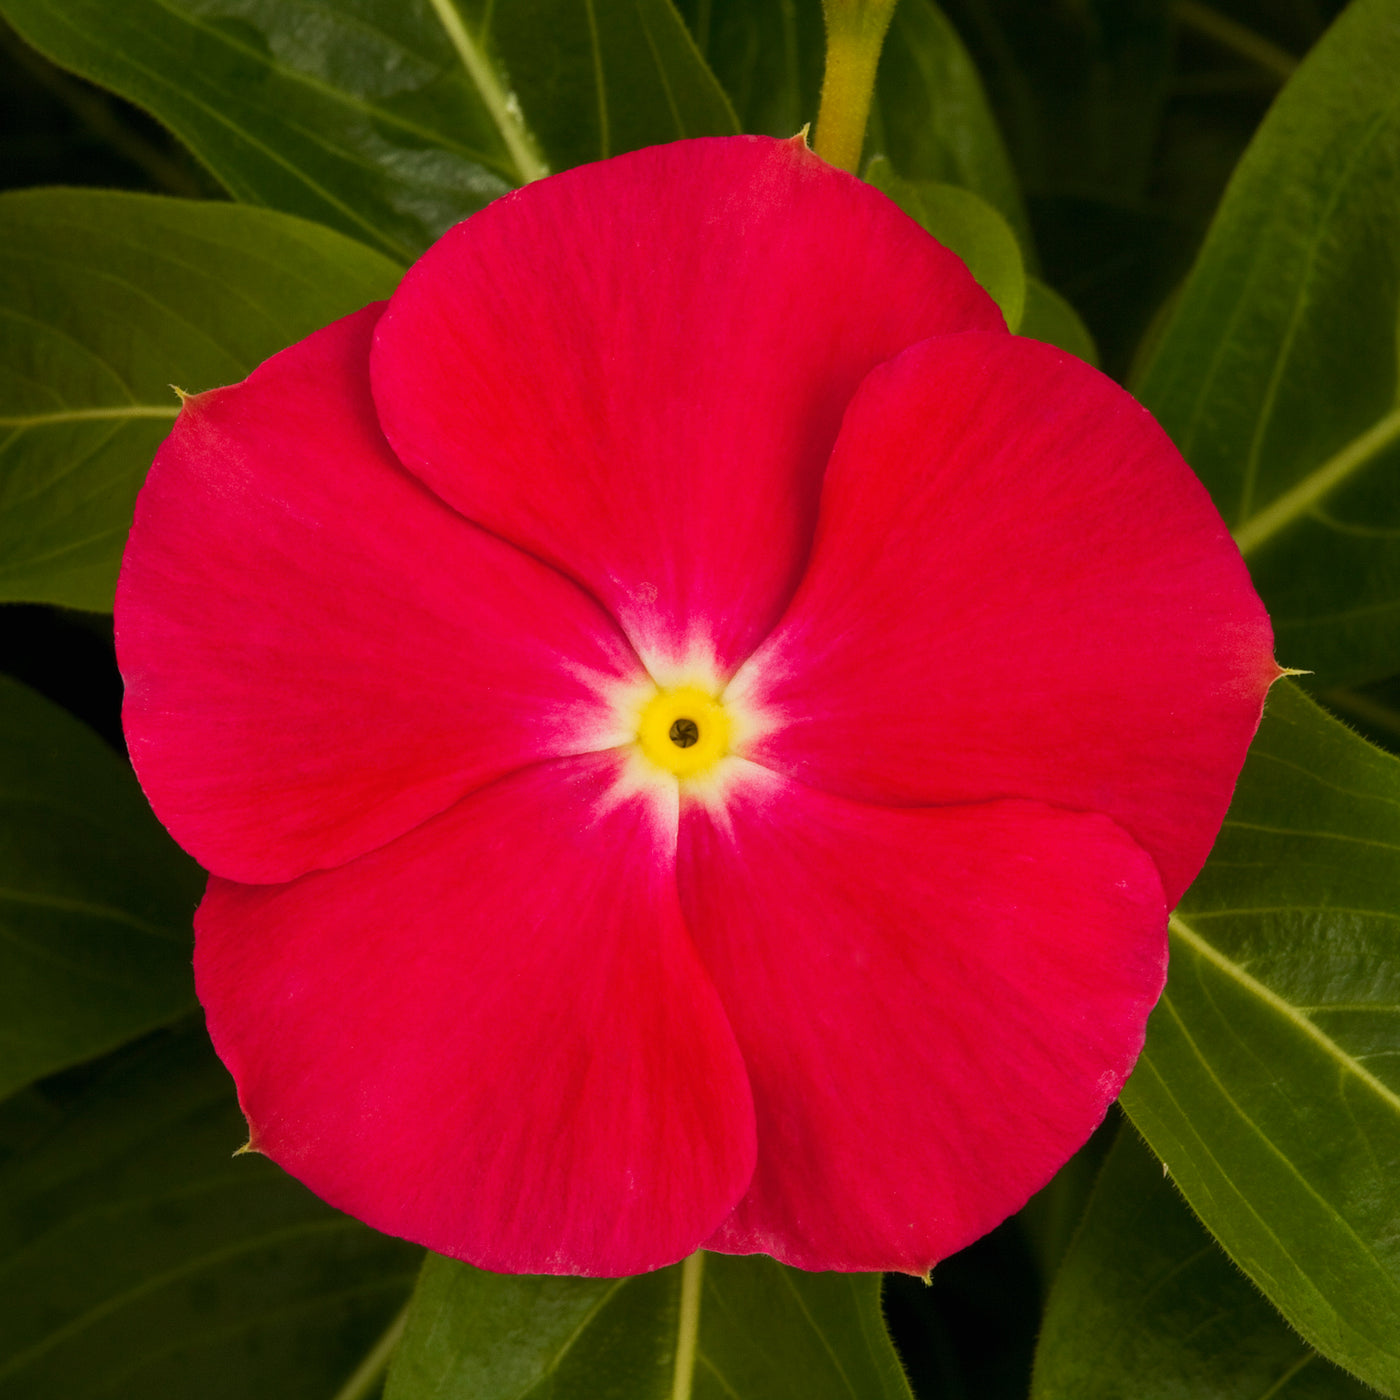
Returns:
<point x="492" y="1036"/>
<point x="936" y="1006"/>
<point x="1031" y="597"/>
<point x="318" y="653"/>
<point x="637" y="369"/>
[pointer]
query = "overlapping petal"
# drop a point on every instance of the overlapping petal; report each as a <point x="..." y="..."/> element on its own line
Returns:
<point x="936" y="1007"/>
<point x="318" y="653"/>
<point x="1017" y="589"/>
<point x="492" y="1036"/>
<point x="637" y="369"/>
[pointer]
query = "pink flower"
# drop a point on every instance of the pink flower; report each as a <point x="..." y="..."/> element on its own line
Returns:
<point x="695" y="729"/>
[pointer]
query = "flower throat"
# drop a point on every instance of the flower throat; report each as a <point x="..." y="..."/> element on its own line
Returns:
<point x="684" y="730"/>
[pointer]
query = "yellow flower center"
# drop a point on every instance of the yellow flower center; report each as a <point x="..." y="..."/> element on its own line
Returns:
<point x="684" y="731"/>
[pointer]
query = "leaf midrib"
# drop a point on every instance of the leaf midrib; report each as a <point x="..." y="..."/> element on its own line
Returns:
<point x="1319" y="483"/>
<point x="688" y="1326"/>
<point x="88" y="415"/>
<point x="1286" y="1009"/>
<point x="154" y="1283"/>
<point x="529" y="165"/>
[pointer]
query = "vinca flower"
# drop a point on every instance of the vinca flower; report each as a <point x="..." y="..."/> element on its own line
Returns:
<point x="694" y="729"/>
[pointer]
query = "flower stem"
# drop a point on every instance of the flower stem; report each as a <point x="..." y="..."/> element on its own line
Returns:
<point x="1232" y="35"/>
<point x="855" y="30"/>
<point x="372" y="1368"/>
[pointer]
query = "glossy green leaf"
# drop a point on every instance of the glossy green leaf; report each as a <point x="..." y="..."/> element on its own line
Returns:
<point x="713" y="1328"/>
<point x="930" y="117"/>
<point x="1278" y="375"/>
<point x="603" y="77"/>
<point x="1270" y="1085"/>
<point x="959" y="220"/>
<point x="1147" y="1307"/>
<point x="95" y="899"/>
<point x="106" y="300"/>
<point x="1049" y="317"/>
<point x="139" y="1257"/>
<point x="389" y="119"/>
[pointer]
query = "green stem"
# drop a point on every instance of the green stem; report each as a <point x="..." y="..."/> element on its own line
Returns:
<point x="855" y="31"/>
<point x="369" y="1372"/>
<point x="1230" y="34"/>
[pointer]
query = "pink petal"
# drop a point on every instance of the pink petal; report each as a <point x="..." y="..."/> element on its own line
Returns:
<point x="318" y="653"/>
<point x="936" y="1007"/>
<point x="493" y="1036"/>
<point x="637" y="369"/>
<point x="1018" y="589"/>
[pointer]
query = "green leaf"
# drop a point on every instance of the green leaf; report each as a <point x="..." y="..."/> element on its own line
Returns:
<point x="1146" y="1305"/>
<point x="1049" y="317"/>
<point x="767" y="55"/>
<point x="139" y="1257"/>
<point x="713" y="1328"/>
<point x="106" y="300"/>
<point x="96" y="900"/>
<point x="604" y="77"/>
<point x="959" y="220"/>
<point x="1270" y="1085"/>
<point x="389" y="120"/>
<point x="1277" y="376"/>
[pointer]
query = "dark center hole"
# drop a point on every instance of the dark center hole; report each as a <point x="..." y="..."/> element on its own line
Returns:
<point x="684" y="733"/>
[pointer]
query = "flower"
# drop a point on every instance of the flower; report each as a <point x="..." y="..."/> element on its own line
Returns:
<point x="694" y="728"/>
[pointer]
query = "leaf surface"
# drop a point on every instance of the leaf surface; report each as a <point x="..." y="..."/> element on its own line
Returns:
<point x="714" y="1328"/>
<point x="96" y="901"/>
<point x="606" y="76"/>
<point x="389" y="120"/>
<point x="106" y="300"/>
<point x="959" y="220"/>
<point x="1147" y="1305"/>
<point x="138" y="1257"/>
<point x="767" y="55"/>
<point x="1278" y="375"/>
<point x="1270" y="1085"/>
<point x="1049" y="317"/>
